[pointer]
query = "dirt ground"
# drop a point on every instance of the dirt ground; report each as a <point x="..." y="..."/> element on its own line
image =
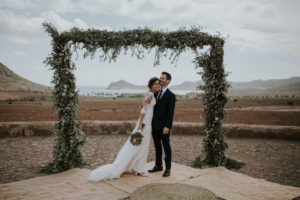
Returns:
<point x="274" y="160"/>
<point x="244" y="111"/>
<point x="24" y="95"/>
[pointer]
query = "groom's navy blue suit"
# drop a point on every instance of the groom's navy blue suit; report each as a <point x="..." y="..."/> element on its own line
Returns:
<point x="163" y="117"/>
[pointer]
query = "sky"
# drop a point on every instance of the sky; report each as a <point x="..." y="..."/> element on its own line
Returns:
<point x="262" y="37"/>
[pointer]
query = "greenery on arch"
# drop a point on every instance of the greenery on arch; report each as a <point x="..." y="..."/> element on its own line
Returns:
<point x="139" y="42"/>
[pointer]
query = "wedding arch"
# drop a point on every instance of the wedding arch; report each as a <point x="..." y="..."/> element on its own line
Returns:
<point x="109" y="44"/>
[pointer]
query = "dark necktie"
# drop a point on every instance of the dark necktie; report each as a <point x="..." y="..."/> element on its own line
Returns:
<point x="159" y="95"/>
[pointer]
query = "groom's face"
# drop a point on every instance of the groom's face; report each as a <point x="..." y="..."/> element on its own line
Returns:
<point x="163" y="80"/>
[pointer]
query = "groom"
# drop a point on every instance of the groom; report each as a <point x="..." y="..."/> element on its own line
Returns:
<point x="162" y="124"/>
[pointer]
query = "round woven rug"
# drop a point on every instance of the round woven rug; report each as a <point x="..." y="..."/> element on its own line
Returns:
<point x="167" y="191"/>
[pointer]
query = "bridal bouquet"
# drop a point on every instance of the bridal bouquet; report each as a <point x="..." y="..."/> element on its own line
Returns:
<point x="137" y="137"/>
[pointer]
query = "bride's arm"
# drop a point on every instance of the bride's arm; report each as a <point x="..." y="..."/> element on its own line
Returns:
<point x="143" y="111"/>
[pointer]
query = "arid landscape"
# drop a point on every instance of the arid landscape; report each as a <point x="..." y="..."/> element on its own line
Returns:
<point x="239" y="111"/>
<point x="74" y="75"/>
<point x="271" y="159"/>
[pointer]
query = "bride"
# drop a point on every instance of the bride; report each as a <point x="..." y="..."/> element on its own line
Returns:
<point x="133" y="158"/>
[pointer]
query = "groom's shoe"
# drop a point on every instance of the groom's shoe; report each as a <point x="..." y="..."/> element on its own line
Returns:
<point x="166" y="173"/>
<point x="155" y="169"/>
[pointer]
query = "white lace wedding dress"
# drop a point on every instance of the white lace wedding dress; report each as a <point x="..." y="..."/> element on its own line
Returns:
<point x="130" y="158"/>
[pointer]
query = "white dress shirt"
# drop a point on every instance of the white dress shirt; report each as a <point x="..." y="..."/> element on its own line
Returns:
<point x="162" y="91"/>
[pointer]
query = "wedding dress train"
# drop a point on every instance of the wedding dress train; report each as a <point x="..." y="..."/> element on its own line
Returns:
<point x="130" y="158"/>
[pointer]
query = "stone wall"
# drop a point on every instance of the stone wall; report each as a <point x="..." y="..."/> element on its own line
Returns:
<point x="13" y="129"/>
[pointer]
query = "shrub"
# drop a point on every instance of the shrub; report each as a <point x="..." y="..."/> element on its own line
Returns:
<point x="29" y="99"/>
<point x="233" y="164"/>
<point x="136" y="96"/>
<point x="10" y="101"/>
<point x="197" y="163"/>
<point x="43" y="98"/>
<point x="230" y="163"/>
<point x="121" y="96"/>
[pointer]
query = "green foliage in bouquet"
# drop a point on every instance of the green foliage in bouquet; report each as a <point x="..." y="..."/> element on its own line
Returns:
<point x="136" y="138"/>
<point x="109" y="44"/>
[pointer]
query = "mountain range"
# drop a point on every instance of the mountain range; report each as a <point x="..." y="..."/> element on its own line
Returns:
<point x="271" y="86"/>
<point x="10" y="81"/>
<point x="124" y="85"/>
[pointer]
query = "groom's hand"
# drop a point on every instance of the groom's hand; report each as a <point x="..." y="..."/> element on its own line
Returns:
<point x="166" y="130"/>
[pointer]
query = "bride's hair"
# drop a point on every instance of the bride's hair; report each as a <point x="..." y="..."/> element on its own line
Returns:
<point x="152" y="81"/>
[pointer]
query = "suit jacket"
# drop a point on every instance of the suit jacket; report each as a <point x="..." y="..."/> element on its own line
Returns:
<point x="164" y="111"/>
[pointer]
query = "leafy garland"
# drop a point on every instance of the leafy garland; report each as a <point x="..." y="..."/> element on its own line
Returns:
<point x="214" y="99"/>
<point x="109" y="44"/>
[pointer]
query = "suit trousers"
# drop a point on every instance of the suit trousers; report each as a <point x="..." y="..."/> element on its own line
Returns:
<point x="160" y="140"/>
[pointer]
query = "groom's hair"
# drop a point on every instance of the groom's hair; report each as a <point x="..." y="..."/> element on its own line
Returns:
<point x="152" y="81"/>
<point x="169" y="77"/>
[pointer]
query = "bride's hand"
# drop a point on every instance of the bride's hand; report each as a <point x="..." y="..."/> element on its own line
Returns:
<point x="140" y="127"/>
<point x="140" y="108"/>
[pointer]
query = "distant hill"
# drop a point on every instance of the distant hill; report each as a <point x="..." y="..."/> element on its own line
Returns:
<point x="287" y="89"/>
<point x="266" y="87"/>
<point x="187" y="85"/>
<point x="124" y="85"/>
<point x="272" y="86"/>
<point x="10" y="81"/>
<point x="267" y="84"/>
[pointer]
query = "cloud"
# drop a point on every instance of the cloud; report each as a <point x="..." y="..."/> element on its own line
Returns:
<point x="25" y="28"/>
<point x="19" y="53"/>
<point x="19" y="4"/>
<point x="19" y="28"/>
<point x="252" y="25"/>
<point x="61" y="23"/>
<point x="58" y="6"/>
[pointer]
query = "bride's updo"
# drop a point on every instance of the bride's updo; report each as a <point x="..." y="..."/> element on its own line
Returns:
<point x="152" y="81"/>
